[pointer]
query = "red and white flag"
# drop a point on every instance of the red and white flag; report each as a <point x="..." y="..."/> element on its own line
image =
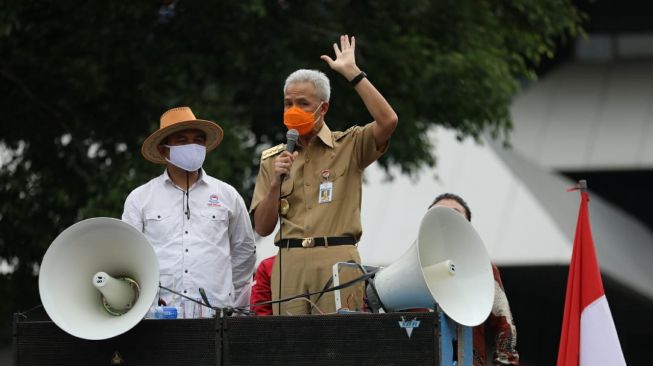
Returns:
<point x="588" y="336"/>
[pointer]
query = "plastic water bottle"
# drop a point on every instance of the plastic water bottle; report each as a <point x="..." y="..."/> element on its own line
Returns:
<point x="165" y="312"/>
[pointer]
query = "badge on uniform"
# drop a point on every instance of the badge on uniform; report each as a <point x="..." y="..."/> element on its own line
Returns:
<point x="326" y="188"/>
<point x="284" y="206"/>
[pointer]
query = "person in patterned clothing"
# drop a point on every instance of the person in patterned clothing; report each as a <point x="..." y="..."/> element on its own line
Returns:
<point x="495" y="340"/>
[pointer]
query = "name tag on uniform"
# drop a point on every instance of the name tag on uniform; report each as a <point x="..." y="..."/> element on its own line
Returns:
<point x="326" y="192"/>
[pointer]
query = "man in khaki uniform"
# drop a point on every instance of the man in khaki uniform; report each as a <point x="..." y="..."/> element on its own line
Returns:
<point x="319" y="195"/>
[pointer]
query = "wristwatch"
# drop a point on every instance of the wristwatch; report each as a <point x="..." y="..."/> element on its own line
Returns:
<point x="357" y="79"/>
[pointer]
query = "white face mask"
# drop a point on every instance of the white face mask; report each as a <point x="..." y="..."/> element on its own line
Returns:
<point x="187" y="157"/>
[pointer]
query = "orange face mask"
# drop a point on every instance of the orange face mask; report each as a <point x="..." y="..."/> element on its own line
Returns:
<point x="300" y="120"/>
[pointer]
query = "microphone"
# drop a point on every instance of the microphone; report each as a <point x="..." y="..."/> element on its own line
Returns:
<point x="291" y="137"/>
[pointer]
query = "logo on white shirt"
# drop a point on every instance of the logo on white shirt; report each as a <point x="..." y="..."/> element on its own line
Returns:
<point x="214" y="201"/>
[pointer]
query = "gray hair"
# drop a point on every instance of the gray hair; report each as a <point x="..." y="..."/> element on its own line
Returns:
<point x="318" y="78"/>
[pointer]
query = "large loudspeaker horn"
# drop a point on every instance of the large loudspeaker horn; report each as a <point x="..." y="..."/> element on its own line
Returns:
<point x="447" y="264"/>
<point x="98" y="278"/>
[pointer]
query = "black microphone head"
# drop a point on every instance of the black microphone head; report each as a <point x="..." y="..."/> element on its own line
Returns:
<point x="291" y="137"/>
<point x="228" y="311"/>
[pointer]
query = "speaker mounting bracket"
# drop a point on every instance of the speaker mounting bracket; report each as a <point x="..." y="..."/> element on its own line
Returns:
<point x="116" y="312"/>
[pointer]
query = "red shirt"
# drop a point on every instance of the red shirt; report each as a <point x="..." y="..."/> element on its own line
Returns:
<point x="261" y="289"/>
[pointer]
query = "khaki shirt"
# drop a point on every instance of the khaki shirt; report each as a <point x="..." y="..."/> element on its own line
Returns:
<point x="344" y="155"/>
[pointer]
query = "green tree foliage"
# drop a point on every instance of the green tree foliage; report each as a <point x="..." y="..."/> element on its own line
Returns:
<point x="84" y="82"/>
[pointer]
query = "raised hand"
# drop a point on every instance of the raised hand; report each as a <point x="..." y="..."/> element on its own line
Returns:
<point x="345" y="62"/>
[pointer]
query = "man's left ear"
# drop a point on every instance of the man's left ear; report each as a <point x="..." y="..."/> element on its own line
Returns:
<point x="324" y="108"/>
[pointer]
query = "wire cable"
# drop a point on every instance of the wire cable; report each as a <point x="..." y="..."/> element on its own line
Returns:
<point x="280" y="243"/>
<point x="187" y="199"/>
<point x="24" y="313"/>
<point x="313" y="305"/>
<point x="308" y="295"/>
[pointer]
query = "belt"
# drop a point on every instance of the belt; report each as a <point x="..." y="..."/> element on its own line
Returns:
<point x="321" y="241"/>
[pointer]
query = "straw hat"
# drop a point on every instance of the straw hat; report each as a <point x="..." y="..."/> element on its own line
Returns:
<point x="175" y="120"/>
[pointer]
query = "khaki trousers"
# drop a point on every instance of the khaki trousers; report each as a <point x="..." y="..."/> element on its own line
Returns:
<point x="307" y="270"/>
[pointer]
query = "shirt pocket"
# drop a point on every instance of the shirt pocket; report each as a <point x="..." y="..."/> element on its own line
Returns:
<point x="214" y="223"/>
<point x="159" y="226"/>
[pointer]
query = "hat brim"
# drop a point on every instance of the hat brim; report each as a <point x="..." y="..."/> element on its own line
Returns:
<point x="213" y="133"/>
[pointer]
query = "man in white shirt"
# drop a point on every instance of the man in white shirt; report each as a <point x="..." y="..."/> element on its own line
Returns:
<point x="198" y="225"/>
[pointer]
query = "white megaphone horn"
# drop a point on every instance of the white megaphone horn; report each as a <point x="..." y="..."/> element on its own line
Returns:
<point x="448" y="264"/>
<point x="98" y="278"/>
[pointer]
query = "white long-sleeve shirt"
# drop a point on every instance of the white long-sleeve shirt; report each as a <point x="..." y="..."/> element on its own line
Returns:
<point x="214" y="249"/>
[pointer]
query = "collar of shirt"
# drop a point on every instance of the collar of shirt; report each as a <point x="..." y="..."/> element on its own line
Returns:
<point x="324" y="135"/>
<point x="200" y="178"/>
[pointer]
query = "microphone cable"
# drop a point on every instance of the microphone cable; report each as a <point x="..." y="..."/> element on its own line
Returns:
<point x="364" y="277"/>
<point x="23" y="314"/>
<point x="243" y="309"/>
<point x="280" y="244"/>
<point x="207" y="305"/>
<point x="291" y="138"/>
